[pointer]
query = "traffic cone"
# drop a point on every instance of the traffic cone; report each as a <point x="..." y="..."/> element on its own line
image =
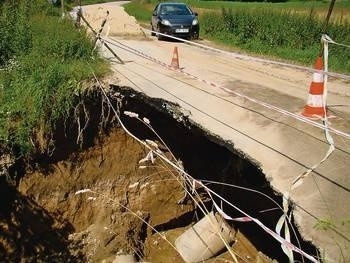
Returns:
<point x="314" y="105"/>
<point x="175" y="60"/>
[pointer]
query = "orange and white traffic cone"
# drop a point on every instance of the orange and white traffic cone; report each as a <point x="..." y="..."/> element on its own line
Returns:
<point x="314" y="106"/>
<point x="175" y="60"/>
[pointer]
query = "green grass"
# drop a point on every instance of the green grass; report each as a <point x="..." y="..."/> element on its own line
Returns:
<point x="284" y="34"/>
<point x="142" y="9"/>
<point x="91" y="2"/>
<point x="289" y="31"/>
<point x="69" y="4"/>
<point x="295" y="5"/>
<point x="40" y="84"/>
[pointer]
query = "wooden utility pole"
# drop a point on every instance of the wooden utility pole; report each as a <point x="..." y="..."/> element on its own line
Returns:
<point x="330" y="9"/>
<point x="326" y="22"/>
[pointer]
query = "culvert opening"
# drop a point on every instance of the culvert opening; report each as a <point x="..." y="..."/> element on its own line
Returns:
<point x="207" y="158"/>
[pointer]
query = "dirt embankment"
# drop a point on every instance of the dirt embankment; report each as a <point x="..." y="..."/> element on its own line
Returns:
<point x="123" y="209"/>
<point x="112" y="219"/>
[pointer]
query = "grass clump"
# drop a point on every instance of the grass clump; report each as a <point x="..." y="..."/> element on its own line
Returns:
<point x="41" y="76"/>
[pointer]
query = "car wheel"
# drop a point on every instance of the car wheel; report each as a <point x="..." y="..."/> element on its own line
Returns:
<point x="152" y="33"/>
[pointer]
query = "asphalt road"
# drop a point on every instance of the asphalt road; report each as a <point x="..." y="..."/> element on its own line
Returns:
<point x="283" y="146"/>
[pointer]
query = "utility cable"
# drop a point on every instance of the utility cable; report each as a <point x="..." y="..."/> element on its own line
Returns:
<point x="266" y="105"/>
<point x="266" y="229"/>
<point x="241" y="106"/>
<point x="249" y="58"/>
<point x="242" y="133"/>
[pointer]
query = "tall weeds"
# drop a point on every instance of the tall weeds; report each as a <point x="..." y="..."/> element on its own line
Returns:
<point x="284" y="34"/>
<point x="42" y="66"/>
<point x="15" y="34"/>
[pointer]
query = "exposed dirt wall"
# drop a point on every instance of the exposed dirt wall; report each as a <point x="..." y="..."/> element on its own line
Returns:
<point x="100" y="222"/>
<point x="123" y="206"/>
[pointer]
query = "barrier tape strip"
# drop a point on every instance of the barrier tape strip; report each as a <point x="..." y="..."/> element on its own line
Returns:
<point x="187" y="176"/>
<point x="250" y="58"/>
<point x="213" y="84"/>
<point x="283" y="221"/>
<point x="237" y="219"/>
<point x="327" y="39"/>
<point x="284" y="242"/>
<point x="298" y="181"/>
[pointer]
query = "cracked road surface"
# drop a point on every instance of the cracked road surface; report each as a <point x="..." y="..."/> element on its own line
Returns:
<point x="282" y="146"/>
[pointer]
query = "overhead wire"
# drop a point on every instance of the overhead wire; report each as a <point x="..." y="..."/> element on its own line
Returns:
<point x="299" y="206"/>
<point x="183" y="171"/>
<point x="250" y="58"/>
<point x="240" y="132"/>
<point x="241" y="106"/>
<point x="186" y="175"/>
<point x="266" y="105"/>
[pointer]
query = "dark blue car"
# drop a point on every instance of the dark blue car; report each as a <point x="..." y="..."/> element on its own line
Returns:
<point x="175" y="19"/>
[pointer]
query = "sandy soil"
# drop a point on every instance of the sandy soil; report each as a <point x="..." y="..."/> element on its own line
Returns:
<point x="102" y="227"/>
<point x="118" y="23"/>
<point x="96" y="226"/>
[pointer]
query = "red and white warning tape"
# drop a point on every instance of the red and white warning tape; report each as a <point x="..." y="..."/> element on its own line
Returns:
<point x="247" y="218"/>
<point x="246" y="57"/>
<point x="213" y="84"/>
<point x="326" y="38"/>
<point x="210" y="192"/>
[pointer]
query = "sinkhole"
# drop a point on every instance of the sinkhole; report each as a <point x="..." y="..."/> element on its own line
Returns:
<point x="204" y="156"/>
<point x="210" y="159"/>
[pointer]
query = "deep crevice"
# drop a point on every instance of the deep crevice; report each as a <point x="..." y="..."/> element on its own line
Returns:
<point x="205" y="157"/>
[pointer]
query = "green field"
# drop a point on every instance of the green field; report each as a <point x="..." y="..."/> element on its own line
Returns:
<point x="289" y="31"/>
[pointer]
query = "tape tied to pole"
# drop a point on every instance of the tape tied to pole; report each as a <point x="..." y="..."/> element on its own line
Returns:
<point x="325" y="39"/>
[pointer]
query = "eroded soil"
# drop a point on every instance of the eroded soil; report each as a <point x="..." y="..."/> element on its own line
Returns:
<point x="45" y="220"/>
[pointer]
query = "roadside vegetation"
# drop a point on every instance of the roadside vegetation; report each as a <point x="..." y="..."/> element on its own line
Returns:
<point x="91" y="2"/>
<point x="72" y="3"/>
<point x="289" y="31"/>
<point x="44" y="60"/>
